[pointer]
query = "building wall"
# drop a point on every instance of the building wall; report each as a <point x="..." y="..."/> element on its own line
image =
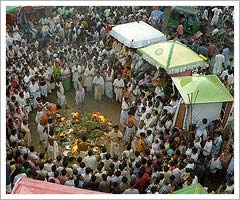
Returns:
<point x="210" y="111"/>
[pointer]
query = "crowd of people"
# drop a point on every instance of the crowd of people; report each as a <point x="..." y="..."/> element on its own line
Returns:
<point x="157" y="158"/>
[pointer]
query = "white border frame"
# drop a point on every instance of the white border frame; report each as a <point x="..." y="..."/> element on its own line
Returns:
<point x="121" y="3"/>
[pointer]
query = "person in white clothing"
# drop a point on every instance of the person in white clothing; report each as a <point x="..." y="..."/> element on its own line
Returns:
<point x="75" y="76"/>
<point x="88" y="75"/>
<point x="207" y="147"/>
<point x="218" y="65"/>
<point x="80" y="92"/>
<point x="205" y="14"/>
<point x="118" y="84"/>
<point x="34" y="91"/>
<point x="216" y="14"/>
<point x="201" y="130"/>
<point x="98" y="83"/>
<point x="109" y="84"/>
<point x="60" y="94"/>
<point x="90" y="160"/>
<point x="124" y="112"/>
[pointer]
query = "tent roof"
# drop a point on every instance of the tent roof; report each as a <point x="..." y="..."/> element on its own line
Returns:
<point x="137" y="34"/>
<point x="12" y="9"/>
<point x="193" y="189"/>
<point x="32" y="186"/>
<point x="204" y="89"/>
<point x="172" y="55"/>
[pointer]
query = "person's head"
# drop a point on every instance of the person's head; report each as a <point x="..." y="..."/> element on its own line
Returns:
<point x="103" y="149"/>
<point x="124" y="179"/>
<point x="59" y="158"/>
<point x="56" y="174"/>
<point x="64" y="172"/>
<point x="142" y="134"/>
<point x="108" y="156"/>
<point x="204" y="121"/>
<point x="132" y="184"/>
<point x="79" y="159"/>
<point x="76" y="182"/>
<point x="88" y="170"/>
<point x="82" y="165"/>
<point x="93" y="178"/>
<point x="54" y="168"/>
<point x="90" y="152"/>
<point x="104" y="177"/>
<point x="41" y="156"/>
<point x="116" y="128"/>
<point x="31" y="148"/>
<point x="84" y="138"/>
<point x="149" y="132"/>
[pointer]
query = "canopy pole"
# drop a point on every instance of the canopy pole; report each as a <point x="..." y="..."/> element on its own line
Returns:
<point x="170" y="54"/>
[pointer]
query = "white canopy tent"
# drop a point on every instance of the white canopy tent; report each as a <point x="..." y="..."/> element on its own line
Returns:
<point x="137" y="34"/>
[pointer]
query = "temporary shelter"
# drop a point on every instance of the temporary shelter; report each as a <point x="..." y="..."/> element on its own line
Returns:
<point x="202" y="97"/>
<point x="193" y="189"/>
<point x="11" y="13"/>
<point x="172" y="55"/>
<point x="137" y="34"/>
<point x="12" y="9"/>
<point x="32" y="186"/>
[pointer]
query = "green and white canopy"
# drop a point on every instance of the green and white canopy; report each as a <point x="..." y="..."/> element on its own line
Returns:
<point x="172" y="55"/>
<point x="202" y="89"/>
<point x="12" y="9"/>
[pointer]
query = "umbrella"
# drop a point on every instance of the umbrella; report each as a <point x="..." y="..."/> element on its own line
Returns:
<point x="12" y="9"/>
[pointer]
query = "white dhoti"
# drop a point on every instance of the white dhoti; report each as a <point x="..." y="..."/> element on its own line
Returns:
<point x="61" y="99"/>
<point x="98" y="92"/>
<point x="53" y="150"/>
<point x="75" y="85"/>
<point x="114" y="149"/>
<point x="123" y="118"/>
<point x="34" y="100"/>
<point x="109" y="89"/>
<point x="49" y="89"/>
<point x="88" y="83"/>
<point x="128" y="133"/>
<point x="118" y="92"/>
<point x="43" y="90"/>
<point x="80" y="95"/>
<point x="214" y="20"/>
<point x="41" y="132"/>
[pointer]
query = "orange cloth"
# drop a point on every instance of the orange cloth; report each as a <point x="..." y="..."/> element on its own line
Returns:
<point x="131" y="121"/>
<point x="43" y="119"/>
<point x="141" y="145"/>
<point x="53" y="108"/>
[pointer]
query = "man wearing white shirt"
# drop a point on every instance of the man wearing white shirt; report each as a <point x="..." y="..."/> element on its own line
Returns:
<point x="201" y="130"/>
<point x="98" y="83"/>
<point x="218" y="65"/>
<point x="75" y="76"/>
<point x="205" y="14"/>
<point x="216" y="14"/>
<point x="90" y="160"/>
<point x="118" y="88"/>
<point x="124" y="112"/>
<point x="207" y="147"/>
<point x="34" y="91"/>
